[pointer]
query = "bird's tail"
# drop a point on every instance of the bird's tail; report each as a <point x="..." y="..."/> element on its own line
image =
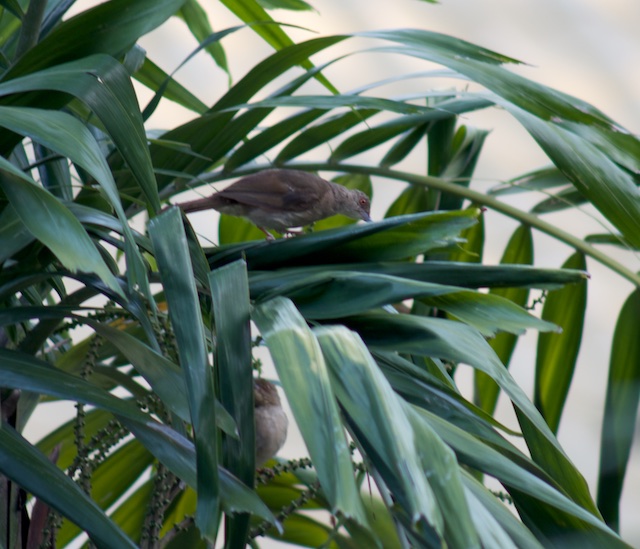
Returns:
<point x="198" y="205"/>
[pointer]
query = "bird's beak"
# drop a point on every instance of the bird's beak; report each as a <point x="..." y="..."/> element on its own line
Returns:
<point x="365" y="217"/>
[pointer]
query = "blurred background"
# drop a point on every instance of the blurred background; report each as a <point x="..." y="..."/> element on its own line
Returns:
<point x="588" y="48"/>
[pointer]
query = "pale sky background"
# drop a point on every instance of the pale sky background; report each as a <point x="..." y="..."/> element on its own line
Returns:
<point x="588" y="48"/>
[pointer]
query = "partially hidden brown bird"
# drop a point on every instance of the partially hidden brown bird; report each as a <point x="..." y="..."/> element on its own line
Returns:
<point x="270" y="420"/>
<point x="281" y="199"/>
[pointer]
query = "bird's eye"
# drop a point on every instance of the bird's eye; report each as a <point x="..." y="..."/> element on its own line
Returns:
<point x="363" y="201"/>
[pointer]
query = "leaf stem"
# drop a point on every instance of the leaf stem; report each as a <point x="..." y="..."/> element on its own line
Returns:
<point x="488" y="201"/>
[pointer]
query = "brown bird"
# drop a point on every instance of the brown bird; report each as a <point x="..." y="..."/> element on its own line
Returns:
<point x="282" y="199"/>
<point x="270" y="420"/>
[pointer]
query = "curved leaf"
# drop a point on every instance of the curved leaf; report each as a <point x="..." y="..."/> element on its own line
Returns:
<point x="21" y="371"/>
<point x="51" y="223"/>
<point x="482" y="66"/>
<point x="537" y="180"/>
<point x="250" y="11"/>
<point x="472" y="250"/>
<point x="66" y="135"/>
<point x="198" y="23"/>
<point x="372" y="137"/>
<point x="26" y="466"/>
<point x="465" y="275"/>
<point x="153" y="77"/>
<point x="562" y="516"/>
<point x="202" y="135"/>
<point x="270" y="137"/>
<point x="608" y="187"/>
<point x="343" y="293"/>
<point x="112" y="28"/>
<point x="391" y="239"/>
<point x="103" y="84"/>
<point x="413" y="199"/>
<point x="305" y="379"/>
<point x="413" y="454"/>
<point x="520" y="535"/>
<point x="454" y="341"/>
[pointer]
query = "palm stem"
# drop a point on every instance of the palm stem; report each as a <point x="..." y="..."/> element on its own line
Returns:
<point x="488" y="201"/>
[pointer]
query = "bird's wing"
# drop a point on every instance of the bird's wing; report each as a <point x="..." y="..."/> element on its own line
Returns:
<point x="278" y="190"/>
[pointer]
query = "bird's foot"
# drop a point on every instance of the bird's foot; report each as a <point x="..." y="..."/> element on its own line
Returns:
<point x="268" y="235"/>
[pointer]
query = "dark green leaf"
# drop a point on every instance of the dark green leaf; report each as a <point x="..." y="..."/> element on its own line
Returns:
<point x="304" y="531"/>
<point x="271" y="137"/>
<point x="152" y="76"/>
<point x="571" y="114"/>
<point x="66" y="135"/>
<point x="55" y="174"/>
<point x="557" y="353"/>
<point x="372" y="137"/>
<point x="621" y="407"/>
<point x="103" y="84"/>
<point x="321" y="133"/>
<point x="537" y="180"/>
<point x="211" y="39"/>
<point x="403" y="146"/>
<point x="172" y="255"/>
<point x="164" y="376"/>
<point x="21" y="371"/>
<point x="410" y="235"/>
<point x="295" y="5"/>
<point x="457" y="342"/>
<point x="26" y="466"/>
<point x="413" y="199"/>
<point x="530" y="490"/>
<point x="210" y="137"/>
<point x="595" y="175"/>
<point x="470" y="251"/>
<point x="51" y="223"/>
<point x="196" y="19"/>
<point x="230" y="295"/>
<point x="519" y="251"/>
<point x="337" y="101"/>
<point x="608" y="238"/>
<point x="111" y="28"/>
<point x="343" y="293"/>
<point x="521" y="536"/>
<point x="250" y="11"/>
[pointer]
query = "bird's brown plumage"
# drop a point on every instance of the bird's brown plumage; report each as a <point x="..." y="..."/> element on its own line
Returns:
<point x="271" y="421"/>
<point x="282" y="199"/>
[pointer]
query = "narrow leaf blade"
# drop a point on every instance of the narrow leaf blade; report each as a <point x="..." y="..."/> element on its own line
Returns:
<point x="623" y="395"/>
<point x="172" y="255"/>
<point x="557" y="353"/>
